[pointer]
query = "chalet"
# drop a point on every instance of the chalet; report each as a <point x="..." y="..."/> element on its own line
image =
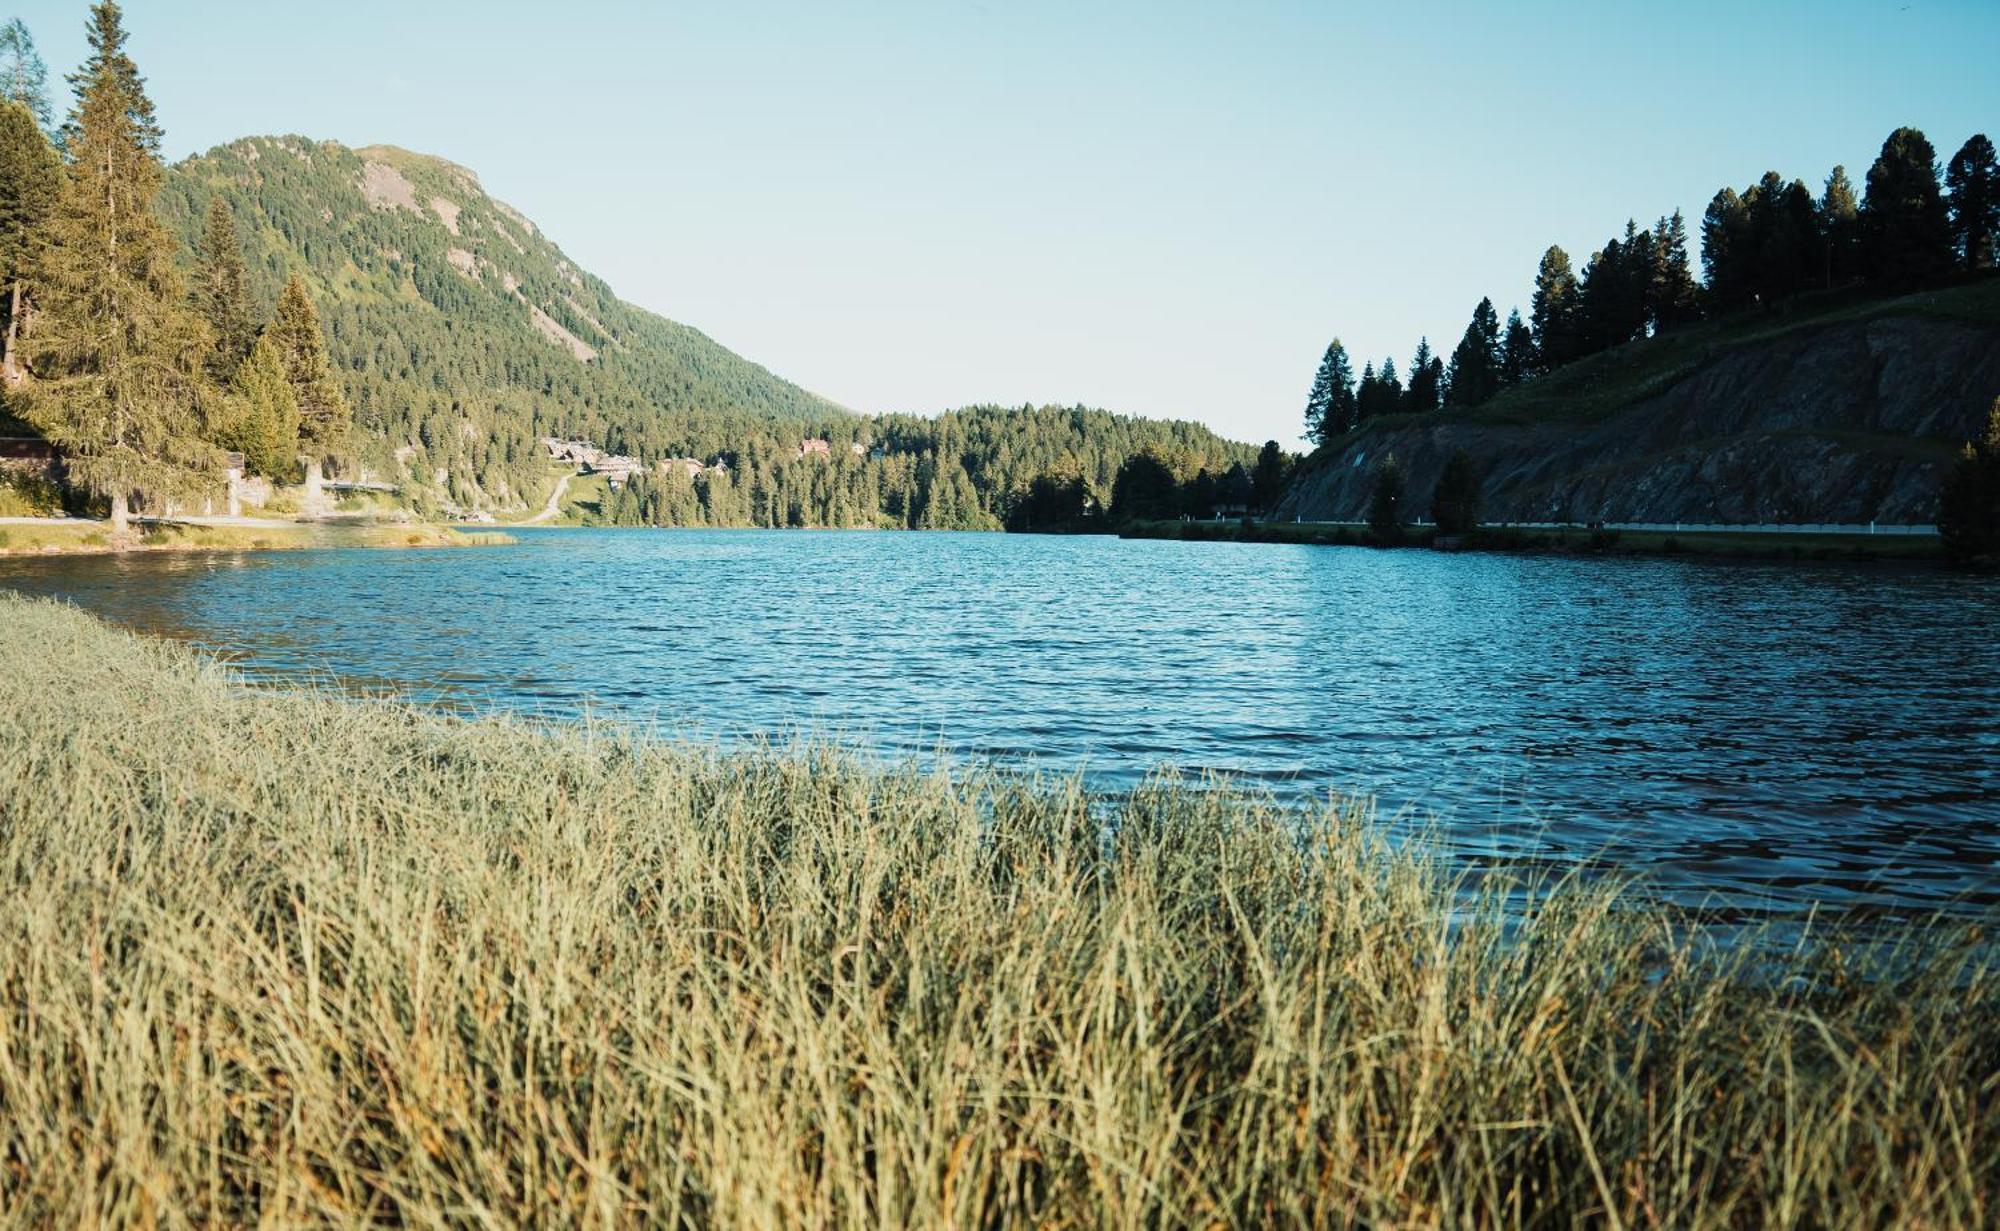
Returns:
<point x="815" y="448"/>
<point x="691" y="467"/>
<point x="617" y="469"/>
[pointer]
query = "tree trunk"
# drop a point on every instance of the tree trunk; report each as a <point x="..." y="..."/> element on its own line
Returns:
<point x="315" y="501"/>
<point x="10" y="368"/>
<point x="121" y="514"/>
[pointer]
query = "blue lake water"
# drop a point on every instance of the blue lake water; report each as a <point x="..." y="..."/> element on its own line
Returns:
<point x="1755" y="736"/>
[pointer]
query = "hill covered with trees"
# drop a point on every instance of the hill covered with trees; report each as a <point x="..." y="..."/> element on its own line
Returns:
<point x="1837" y="351"/>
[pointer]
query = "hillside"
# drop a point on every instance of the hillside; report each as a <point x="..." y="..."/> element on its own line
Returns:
<point x="461" y="332"/>
<point x="1830" y="410"/>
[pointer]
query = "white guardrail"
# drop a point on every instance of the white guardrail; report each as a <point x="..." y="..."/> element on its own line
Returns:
<point x="1688" y="527"/>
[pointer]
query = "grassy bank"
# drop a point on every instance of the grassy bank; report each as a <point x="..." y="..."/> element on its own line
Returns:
<point x="74" y="538"/>
<point x="292" y="959"/>
<point x="1723" y="544"/>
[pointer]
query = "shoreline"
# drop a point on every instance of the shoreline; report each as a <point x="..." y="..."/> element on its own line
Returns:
<point x="32" y="540"/>
<point x="1765" y="546"/>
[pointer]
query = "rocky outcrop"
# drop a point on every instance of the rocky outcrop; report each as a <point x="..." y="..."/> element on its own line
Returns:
<point x="1849" y="422"/>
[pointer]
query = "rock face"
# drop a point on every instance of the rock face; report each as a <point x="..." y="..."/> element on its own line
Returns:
<point x="1849" y="422"/>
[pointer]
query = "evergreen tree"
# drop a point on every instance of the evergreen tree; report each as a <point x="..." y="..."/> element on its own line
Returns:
<point x="323" y="414"/>
<point x="1145" y="490"/>
<point x="1905" y="227"/>
<point x="1728" y="251"/>
<point x="1969" y="504"/>
<point x="1385" y="501"/>
<point x="221" y="293"/>
<point x="109" y="63"/>
<point x="1267" y="481"/>
<point x="1672" y="299"/>
<point x="1389" y="387"/>
<point x="1517" y="351"/>
<point x="1554" y="310"/>
<point x="23" y="77"/>
<point x="1475" y="362"/>
<point x="261" y="420"/>
<point x="1840" y="218"/>
<point x="1973" y="179"/>
<point x="30" y="181"/>
<point x="1426" y="379"/>
<point x="117" y="354"/>
<point x="1367" y="397"/>
<point x="1330" y="406"/>
<point x="1455" y="501"/>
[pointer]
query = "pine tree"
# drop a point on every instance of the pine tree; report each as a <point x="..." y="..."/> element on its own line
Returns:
<point x="1905" y="227"/>
<point x="1672" y="298"/>
<point x="30" y="181"/>
<point x="1517" y="351"/>
<point x="221" y="293"/>
<point x="1389" y="388"/>
<point x="1385" y="501"/>
<point x="116" y="352"/>
<point x="1426" y="376"/>
<point x="262" y="417"/>
<point x="1969" y="503"/>
<point x="108" y="61"/>
<point x="1267" y="481"/>
<point x="324" y="418"/>
<point x="1455" y="500"/>
<point x="1973" y="179"/>
<point x="1367" y="395"/>
<point x="1475" y="364"/>
<point x="23" y="77"/>
<point x="1840" y="217"/>
<point x="1553" y="311"/>
<point x="1330" y="406"/>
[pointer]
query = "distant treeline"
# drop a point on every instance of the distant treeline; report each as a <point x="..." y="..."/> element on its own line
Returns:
<point x="1910" y="227"/>
<point x="980" y="468"/>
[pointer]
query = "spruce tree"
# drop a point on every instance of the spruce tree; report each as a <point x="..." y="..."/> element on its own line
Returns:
<point x="30" y="181"/>
<point x="1330" y="407"/>
<point x="1840" y="218"/>
<point x="117" y="355"/>
<point x="1475" y="363"/>
<point x="262" y="417"/>
<point x="324" y="418"/>
<point x="221" y="292"/>
<point x="1553" y="311"/>
<point x="1267" y="481"/>
<point x="108" y="61"/>
<point x="1969" y="504"/>
<point x="1672" y="298"/>
<point x="1905" y="227"/>
<point x="1517" y="351"/>
<point x="1973" y="179"/>
<point x="1455" y="500"/>
<point x="23" y="77"/>
<point x="1385" y="501"/>
<point x="1426" y="375"/>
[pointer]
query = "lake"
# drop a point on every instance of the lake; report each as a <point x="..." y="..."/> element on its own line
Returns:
<point x="1751" y="737"/>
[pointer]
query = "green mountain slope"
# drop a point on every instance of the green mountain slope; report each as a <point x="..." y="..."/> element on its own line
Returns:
<point x="460" y="331"/>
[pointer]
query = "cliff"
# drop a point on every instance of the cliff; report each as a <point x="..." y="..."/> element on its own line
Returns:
<point x="1845" y="414"/>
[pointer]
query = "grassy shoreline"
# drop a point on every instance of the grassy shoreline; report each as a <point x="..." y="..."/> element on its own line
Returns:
<point x="290" y="958"/>
<point x="1715" y="544"/>
<point x="95" y="538"/>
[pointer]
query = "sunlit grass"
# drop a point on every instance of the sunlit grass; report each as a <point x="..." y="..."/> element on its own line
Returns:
<point x="288" y="958"/>
<point x="69" y="538"/>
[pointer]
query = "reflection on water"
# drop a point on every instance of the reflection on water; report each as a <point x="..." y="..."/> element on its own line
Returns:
<point x="1743" y="734"/>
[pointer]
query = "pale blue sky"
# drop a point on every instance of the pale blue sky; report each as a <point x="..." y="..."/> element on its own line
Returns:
<point x="1165" y="209"/>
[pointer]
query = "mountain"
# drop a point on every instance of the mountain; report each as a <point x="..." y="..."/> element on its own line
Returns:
<point x="1840" y="409"/>
<point x="461" y="332"/>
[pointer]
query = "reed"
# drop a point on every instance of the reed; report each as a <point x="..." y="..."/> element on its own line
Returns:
<point x="287" y="958"/>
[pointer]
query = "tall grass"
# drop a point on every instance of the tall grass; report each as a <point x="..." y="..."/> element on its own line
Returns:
<point x="289" y="959"/>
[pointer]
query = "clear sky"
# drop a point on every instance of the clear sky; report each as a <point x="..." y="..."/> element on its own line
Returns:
<point x="1163" y="208"/>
